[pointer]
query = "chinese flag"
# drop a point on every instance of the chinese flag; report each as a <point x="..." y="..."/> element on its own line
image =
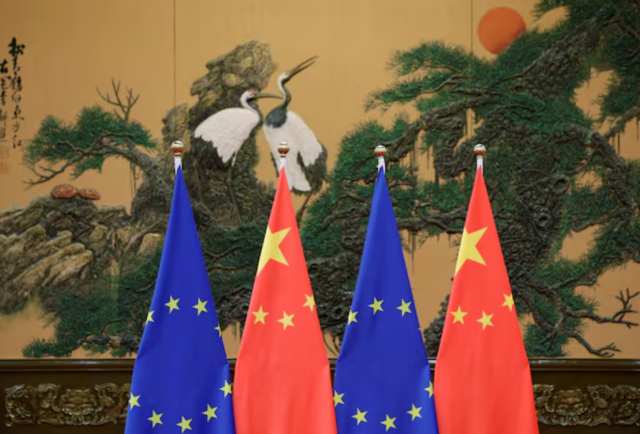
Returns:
<point x="482" y="375"/>
<point x="282" y="377"/>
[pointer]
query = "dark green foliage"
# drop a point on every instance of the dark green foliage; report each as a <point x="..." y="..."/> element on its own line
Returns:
<point x="81" y="145"/>
<point x="541" y="150"/>
<point x="540" y="146"/>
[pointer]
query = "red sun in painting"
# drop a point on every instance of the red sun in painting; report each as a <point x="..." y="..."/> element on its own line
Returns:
<point x="499" y="27"/>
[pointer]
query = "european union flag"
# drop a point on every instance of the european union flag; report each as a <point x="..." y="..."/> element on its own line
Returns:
<point x="181" y="373"/>
<point x="382" y="379"/>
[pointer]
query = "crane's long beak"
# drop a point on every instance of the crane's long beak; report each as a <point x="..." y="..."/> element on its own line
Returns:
<point x="267" y="95"/>
<point x="301" y="67"/>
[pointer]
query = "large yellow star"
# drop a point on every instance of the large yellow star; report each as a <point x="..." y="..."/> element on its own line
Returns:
<point x="430" y="389"/>
<point x="458" y="316"/>
<point x="185" y="424"/>
<point x="310" y="302"/>
<point x="485" y="320"/>
<point x="260" y="316"/>
<point x="337" y="398"/>
<point x="360" y="416"/>
<point x="376" y="305"/>
<point x="404" y="307"/>
<point x="133" y="401"/>
<point x="389" y="422"/>
<point x="201" y="306"/>
<point x="226" y="388"/>
<point x="352" y="317"/>
<point x="211" y="412"/>
<point x="286" y="320"/>
<point x="156" y="419"/>
<point x="173" y="304"/>
<point x="469" y="249"/>
<point x="150" y="317"/>
<point x="508" y="301"/>
<point x="271" y="248"/>
<point x="414" y="412"/>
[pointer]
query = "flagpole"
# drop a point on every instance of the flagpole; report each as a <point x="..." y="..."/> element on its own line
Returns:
<point x="381" y="152"/>
<point x="283" y="149"/>
<point x="177" y="147"/>
<point x="480" y="150"/>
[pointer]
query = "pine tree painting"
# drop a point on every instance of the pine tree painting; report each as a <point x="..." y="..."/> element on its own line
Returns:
<point x="554" y="171"/>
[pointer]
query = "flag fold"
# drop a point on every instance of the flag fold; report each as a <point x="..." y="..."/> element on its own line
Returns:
<point x="181" y="374"/>
<point x="282" y="377"/>
<point x="382" y="380"/>
<point x="482" y="377"/>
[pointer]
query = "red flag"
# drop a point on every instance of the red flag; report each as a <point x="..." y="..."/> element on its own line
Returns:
<point x="282" y="376"/>
<point x="482" y="379"/>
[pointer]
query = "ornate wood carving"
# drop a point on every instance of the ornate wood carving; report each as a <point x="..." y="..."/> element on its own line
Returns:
<point x="592" y="406"/>
<point x="52" y="404"/>
<point x="107" y="404"/>
<point x="603" y="394"/>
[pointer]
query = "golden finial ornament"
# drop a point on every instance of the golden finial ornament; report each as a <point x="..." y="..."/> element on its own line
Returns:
<point x="380" y="151"/>
<point x="479" y="150"/>
<point x="177" y="147"/>
<point x="283" y="149"/>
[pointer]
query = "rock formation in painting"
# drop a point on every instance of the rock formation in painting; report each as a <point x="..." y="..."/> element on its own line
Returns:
<point x="95" y="267"/>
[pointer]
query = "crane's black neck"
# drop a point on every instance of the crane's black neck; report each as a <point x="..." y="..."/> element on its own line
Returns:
<point x="287" y="95"/>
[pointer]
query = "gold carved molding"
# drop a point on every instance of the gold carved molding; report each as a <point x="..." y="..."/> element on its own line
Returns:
<point x="52" y="404"/>
<point x="595" y="405"/>
<point x="107" y="404"/>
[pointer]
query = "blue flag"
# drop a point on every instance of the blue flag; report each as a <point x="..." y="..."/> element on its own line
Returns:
<point x="181" y="374"/>
<point x="382" y="381"/>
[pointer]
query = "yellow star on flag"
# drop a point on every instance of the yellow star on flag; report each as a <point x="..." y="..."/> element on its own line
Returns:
<point x="469" y="249"/>
<point x="173" y="304"/>
<point x="219" y="330"/>
<point x="156" y="419"/>
<point x="226" y="388"/>
<point x="185" y="424"/>
<point x="485" y="320"/>
<point x="310" y="302"/>
<point x="271" y="248"/>
<point x="360" y="416"/>
<point x="430" y="389"/>
<point x="376" y="305"/>
<point x="337" y="398"/>
<point x="389" y="422"/>
<point x="458" y="316"/>
<point x="133" y="401"/>
<point x="508" y="301"/>
<point x="352" y="317"/>
<point x="286" y="320"/>
<point x="414" y="412"/>
<point x="211" y="412"/>
<point x="404" y="307"/>
<point x="201" y="306"/>
<point x="260" y="316"/>
<point x="150" y="317"/>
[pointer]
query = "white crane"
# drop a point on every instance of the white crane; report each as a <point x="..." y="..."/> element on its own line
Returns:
<point x="228" y="129"/>
<point x="306" y="160"/>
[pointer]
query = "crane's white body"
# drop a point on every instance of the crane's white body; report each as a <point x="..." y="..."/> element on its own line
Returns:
<point x="302" y="141"/>
<point x="228" y="129"/>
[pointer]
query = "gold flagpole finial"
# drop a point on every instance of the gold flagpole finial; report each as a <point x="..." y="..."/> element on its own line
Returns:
<point x="480" y="152"/>
<point x="381" y="152"/>
<point x="283" y="149"/>
<point x="177" y="147"/>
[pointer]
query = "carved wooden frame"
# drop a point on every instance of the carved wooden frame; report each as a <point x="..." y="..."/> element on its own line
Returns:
<point x="568" y="392"/>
